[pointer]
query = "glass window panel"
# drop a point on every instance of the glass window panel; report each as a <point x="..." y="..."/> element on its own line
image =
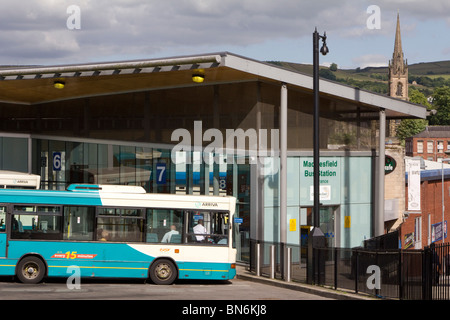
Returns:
<point x="120" y="229"/>
<point x="107" y="211"/>
<point x="130" y="212"/>
<point x="127" y="161"/>
<point x="181" y="159"/>
<point x="14" y="154"/>
<point x="79" y="223"/>
<point x="209" y="228"/>
<point x="144" y="158"/>
<point x="49" y="209"/>
<point x="29" y="226"/>
<point x="2" y="219"/>
<point x="165" y="225"/>
<point x="430" y="146"/>
<point x="28" y="209"/>
<point x="121" y="212"/>
<point x="420" y="147"/>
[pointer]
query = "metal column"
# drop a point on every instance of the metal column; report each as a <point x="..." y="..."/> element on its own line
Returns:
<point x="283" y="176"/>
<point x="379" y="220"/>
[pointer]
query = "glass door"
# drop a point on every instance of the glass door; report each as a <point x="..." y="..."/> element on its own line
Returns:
<point x="3" y="237"/>
<point x="327" y="225"/>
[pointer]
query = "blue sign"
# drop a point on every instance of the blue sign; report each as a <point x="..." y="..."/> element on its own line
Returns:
<point x="437" y="231"/>
<point x="161" y="173"/>
<point x="238" y="220"/>
<point x="57" y="161"/>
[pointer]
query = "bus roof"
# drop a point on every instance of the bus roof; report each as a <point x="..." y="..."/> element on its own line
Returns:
<point x="116" y="196"/>
<point x="10" y="178"/>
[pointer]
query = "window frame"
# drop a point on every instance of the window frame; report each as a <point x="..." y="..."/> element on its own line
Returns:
<point x="420" y="150"/>
<point x="94" y="221"/>
<point x="193" y="236"/>
<point x="36" y="212"/>
<point x="3" y="219"/>
<point x="141" y="216"/>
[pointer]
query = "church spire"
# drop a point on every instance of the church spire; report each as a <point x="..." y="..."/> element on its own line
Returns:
<point x="398" y="53"/>
<point x="398" y="68"/>
<point x="398" y="76"/>
<point x="398" y="63"/>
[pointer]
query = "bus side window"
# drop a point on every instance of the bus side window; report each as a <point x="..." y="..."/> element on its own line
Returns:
<point x="164" y="225"/>
<point x="120" y="224"/>
<point x="79" y="223"/>
<point x="2" y="219"/>
<point x="208" y="227"/>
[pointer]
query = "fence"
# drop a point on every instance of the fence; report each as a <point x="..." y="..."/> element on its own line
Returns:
<point x="392" y="274"/>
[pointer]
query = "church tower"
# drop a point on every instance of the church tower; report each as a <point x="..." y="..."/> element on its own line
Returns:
<point x="398" y="77"/>
<point x="398" y="69"/>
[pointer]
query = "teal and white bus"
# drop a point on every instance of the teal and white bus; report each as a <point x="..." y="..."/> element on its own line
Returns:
<point x="115" y="231"/>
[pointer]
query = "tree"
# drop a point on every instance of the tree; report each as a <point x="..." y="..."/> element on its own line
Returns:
<point x="327" y="74"/>
<point x="416" y="96"/>
<point x="441" y="103"/>
<point x="410" y="127"/>
<point x="333" y="67"/>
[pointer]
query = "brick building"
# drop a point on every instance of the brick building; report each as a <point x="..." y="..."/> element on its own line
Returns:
<point x="431" y="144"/>
<point x="420" y="229"/>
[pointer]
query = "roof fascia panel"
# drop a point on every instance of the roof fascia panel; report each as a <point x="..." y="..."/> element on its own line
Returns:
<point x="326" y="87"/>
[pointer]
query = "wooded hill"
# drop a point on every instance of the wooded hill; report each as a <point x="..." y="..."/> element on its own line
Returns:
<point x="424" y="76"/>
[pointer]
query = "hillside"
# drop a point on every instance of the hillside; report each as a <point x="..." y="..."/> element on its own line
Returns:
<point x="424" y="76"/>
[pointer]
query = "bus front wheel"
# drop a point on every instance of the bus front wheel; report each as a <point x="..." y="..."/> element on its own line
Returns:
<point x="31" y="270"/>
<point x="163" y="271"/>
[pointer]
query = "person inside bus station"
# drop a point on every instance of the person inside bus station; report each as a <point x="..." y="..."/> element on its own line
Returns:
<point x="200" y="229"/>
<point x="168" y="235"/>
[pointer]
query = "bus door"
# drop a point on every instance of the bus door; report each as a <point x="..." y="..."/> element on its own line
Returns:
<point x="3" y="238"/>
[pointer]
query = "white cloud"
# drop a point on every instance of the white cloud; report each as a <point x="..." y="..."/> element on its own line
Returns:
<point x="371" y="60"/>
<point x="36" y="32"/>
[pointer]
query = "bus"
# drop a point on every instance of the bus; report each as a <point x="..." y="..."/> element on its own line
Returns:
<point x="115" y="231"/>
<point x="21" y="180"/>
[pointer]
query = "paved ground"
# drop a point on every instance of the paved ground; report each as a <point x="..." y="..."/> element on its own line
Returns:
<point x="242" y="273"/>
<point x="237" y="289"/>
<point x="246" y="286"/>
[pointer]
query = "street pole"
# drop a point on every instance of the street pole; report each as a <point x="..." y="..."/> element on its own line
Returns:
<point x="316" y="123"/>
<point x="317" y="238"/>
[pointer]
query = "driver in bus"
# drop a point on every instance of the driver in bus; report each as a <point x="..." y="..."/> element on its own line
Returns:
<point x="200" y="229"/>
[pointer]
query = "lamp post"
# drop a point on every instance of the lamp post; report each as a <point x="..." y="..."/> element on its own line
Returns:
<point x="317" y="238"/>
<point x="316" y="144"/>
<point x="443" y="202"/>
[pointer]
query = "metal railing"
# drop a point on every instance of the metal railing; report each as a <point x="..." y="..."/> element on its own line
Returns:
<point x="392" y="274"/>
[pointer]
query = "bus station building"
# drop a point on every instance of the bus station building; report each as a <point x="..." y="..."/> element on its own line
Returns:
<point x="217" y="124"/>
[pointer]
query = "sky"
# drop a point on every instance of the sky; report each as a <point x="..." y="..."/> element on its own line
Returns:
<point x="359" y="33"/>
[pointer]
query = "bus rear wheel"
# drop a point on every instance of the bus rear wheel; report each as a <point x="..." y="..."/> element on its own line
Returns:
<point x="163" y="271"/>
<point x="30" y="270"/>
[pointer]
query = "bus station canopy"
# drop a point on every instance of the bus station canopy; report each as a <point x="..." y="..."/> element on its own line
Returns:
<point x="35" y="85"/>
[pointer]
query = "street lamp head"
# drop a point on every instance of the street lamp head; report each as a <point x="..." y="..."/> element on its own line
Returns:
<point x="324" y="50"/>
